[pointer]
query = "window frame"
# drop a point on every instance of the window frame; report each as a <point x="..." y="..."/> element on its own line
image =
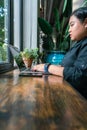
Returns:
<point x="4" y="67"/>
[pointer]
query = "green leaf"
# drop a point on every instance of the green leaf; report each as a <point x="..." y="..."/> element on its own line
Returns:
<point x="57" y="19"/>
<point x="45" y="26"/>
<point x="65" y="5"/>
<point x="67" y="8"/>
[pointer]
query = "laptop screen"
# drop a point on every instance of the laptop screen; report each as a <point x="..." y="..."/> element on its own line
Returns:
<point x="17" y="57"/>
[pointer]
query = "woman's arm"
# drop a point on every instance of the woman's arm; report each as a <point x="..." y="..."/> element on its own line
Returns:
<point x="53" y="69"/>
<point x="56" y="70"/>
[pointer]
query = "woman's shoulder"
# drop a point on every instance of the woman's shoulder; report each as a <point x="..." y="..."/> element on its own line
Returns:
<point x="80" y="44"/>
<point x="84" y="41"/>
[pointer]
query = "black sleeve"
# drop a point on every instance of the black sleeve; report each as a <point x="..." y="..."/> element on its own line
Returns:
<point x="78" y="72"/>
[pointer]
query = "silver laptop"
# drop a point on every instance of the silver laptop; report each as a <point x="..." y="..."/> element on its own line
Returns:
<point x="21" y="66"/>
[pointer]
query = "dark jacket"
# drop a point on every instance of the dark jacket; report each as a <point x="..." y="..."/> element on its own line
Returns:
<point x="75" y="66"/>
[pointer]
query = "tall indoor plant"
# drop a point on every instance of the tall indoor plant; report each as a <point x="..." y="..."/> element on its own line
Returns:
<point x="56" y="37"/>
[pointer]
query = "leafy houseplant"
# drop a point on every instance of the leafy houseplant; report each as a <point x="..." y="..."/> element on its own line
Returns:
<point x="56" y="37"/>
<point x="29" y="55"/>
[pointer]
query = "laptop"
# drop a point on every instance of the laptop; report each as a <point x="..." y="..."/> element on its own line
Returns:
<point x="21" y="66"/>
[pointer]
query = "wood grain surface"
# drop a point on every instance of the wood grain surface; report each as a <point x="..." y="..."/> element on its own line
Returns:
<point x="45" y="103"/>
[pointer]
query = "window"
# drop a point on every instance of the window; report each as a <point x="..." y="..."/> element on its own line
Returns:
<point x="5" y="34"/>
<point x="3" y="31"/>
<point x="19" y="27"/>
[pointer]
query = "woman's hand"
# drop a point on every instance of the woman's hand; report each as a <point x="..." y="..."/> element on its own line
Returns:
<point x="39" y="67"/>
<point x="53" y="69"/>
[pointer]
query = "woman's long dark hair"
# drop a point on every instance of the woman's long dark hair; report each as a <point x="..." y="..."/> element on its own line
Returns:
<point x="80" y="13"/>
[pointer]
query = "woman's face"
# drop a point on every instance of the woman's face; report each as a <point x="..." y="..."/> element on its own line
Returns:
<point x="77" y="30"/>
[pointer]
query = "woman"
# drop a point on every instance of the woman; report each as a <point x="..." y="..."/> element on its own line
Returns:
<point x="74" y="65"/>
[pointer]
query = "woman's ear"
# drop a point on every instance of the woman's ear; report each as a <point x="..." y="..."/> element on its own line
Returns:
<point x="85" y="22"/>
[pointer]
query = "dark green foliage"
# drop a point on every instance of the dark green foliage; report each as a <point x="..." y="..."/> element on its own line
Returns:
<point x="57" y="35"/>
<point x="67" y="8"/>
<point x="48" y="43"/>
<point x="45" y="26"/>
<point x="3" y="50"/>
<point x="57" y="19"/>
<point x="60" y="32"/>
<point x="19" y="60"/>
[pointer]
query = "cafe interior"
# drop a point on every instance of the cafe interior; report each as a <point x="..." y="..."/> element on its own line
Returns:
<point x="38" y="101"/>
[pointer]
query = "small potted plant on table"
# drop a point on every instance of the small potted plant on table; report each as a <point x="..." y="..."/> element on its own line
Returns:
<point x="29" y="56"/>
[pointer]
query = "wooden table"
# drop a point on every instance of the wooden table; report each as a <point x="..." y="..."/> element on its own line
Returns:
<point x="47" y="103"/>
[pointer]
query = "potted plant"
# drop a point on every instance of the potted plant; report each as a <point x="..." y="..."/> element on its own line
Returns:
<point x="56" y="37"/>
<point x="29" y="56"/>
